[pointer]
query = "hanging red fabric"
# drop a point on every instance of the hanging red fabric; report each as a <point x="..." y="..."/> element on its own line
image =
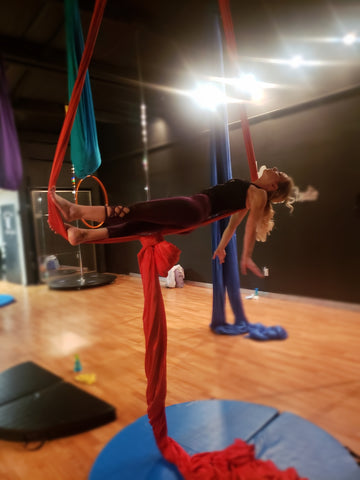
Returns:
<point x="156" y="258"/>
<point x="231" y="46"/>
<point x="55" y="220"/>
<point x="236" y="462"/>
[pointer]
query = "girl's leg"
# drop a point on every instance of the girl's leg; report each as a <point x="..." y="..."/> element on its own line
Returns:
<point x="174" y="211"/>
<point x="77" y="235"/>
<point x="72" y="211"/>
<point x="134" y="228"/>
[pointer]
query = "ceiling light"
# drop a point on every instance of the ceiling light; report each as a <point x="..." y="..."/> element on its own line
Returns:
<point x="248" y="85"/>
<point x="208" y="96"/>
<point x="349" y="39"/>
<point x="296" y="61"/>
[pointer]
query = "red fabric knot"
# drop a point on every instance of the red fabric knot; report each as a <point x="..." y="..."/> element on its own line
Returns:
<point x="164" y="254"/>
<point x="150" y="240"/>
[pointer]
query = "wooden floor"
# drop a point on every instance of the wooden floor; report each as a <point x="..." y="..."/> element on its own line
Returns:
<point x="314" y="373"/>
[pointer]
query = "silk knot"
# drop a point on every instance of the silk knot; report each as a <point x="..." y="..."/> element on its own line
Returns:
<point x="164" y="253"/>
<point x="149" y="240"/>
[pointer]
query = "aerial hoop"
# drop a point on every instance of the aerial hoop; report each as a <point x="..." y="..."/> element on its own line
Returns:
<point x="103" y="189"/>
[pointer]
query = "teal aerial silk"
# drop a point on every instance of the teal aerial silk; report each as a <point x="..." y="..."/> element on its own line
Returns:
<point x="84" y="148"/>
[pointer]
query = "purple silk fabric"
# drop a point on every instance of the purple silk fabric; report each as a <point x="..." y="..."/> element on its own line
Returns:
<point x="11" y="170"/>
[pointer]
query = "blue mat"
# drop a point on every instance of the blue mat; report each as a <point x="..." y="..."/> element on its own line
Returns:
<point x="292" y="440"/>
<point x="210" y="425"/>
<point x="6" y="299"/>
<point x="197" y="426"/>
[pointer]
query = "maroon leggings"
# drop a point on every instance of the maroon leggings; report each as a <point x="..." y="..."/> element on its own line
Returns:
<point x="154" y="215"/>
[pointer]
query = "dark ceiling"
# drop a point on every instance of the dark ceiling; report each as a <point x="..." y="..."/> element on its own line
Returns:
<point x="166" y="43"/>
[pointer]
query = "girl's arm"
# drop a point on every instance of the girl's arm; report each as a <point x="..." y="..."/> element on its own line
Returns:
<point x="229" y="231"/>
<point x="257" y="201"/>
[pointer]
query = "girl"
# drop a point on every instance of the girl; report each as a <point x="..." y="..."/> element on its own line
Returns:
<point x="239" y="196"/>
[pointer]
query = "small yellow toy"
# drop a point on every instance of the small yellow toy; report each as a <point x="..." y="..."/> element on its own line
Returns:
<point x="88" y="378"/>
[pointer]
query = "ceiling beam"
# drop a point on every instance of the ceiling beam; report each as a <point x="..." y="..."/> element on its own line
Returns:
<point x="29" y="55"/>
<point x="32" y="55"/>
<point x="57" y="110"/>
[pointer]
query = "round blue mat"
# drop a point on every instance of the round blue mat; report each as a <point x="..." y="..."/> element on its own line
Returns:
<point x="6" y="299"/>
<point x="208" y="425"/>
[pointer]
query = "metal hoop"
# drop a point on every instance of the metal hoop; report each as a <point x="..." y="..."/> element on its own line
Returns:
<point x="103" y="191"/>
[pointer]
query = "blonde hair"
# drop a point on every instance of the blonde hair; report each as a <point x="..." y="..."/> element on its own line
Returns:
<point x="286" y="193"/>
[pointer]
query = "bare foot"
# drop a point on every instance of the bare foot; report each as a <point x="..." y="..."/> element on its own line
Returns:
<point x="76" y="236"/>
<point x="69" y="211"/>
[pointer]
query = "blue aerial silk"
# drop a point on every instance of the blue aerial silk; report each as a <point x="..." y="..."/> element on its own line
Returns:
<point x="84" y="148"/>
<point x="226" y="276"/>
<point x="11" y="169"/>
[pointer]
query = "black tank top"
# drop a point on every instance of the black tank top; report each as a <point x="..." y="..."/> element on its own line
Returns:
<point x="228" y="196"/>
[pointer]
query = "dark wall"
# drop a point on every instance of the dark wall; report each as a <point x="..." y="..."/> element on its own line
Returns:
<point x="312" y="252"/>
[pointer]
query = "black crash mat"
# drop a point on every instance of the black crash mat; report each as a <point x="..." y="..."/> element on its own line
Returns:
<point x="36" y="405"/>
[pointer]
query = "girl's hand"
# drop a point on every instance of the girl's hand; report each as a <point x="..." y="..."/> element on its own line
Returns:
<point x="221" y="254"/>
<point x="248" y="264"/>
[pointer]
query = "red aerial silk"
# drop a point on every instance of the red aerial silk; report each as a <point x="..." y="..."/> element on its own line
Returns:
<point x="155" y="259"/>
<point x="231" y="45"/>
<point x="236" y="462"/>
<point x="55" y="220"/>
